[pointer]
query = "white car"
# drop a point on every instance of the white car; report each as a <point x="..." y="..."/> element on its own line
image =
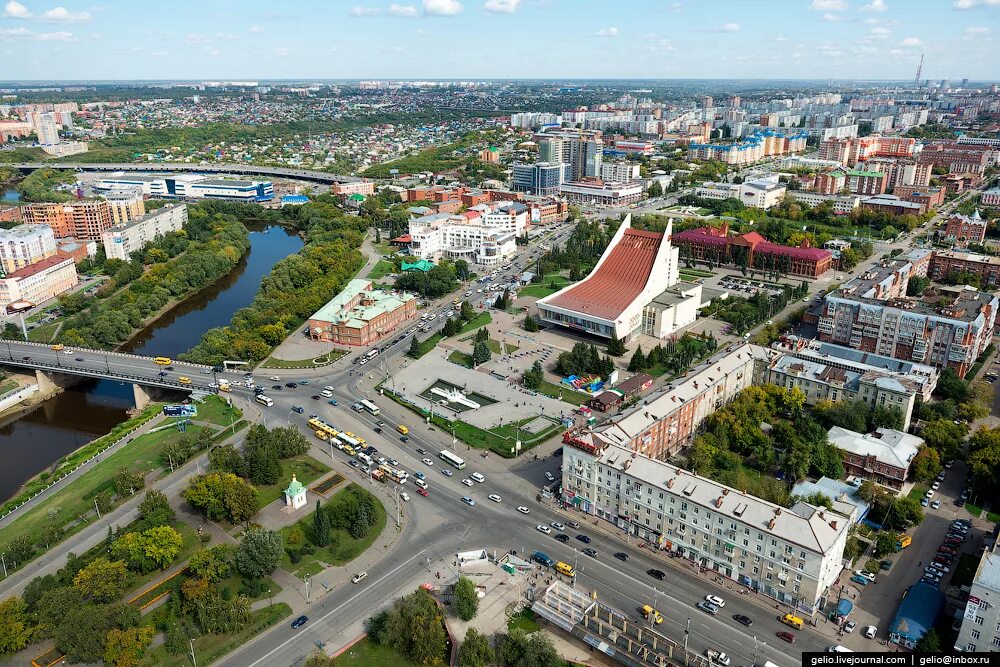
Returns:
<point x="549" y="476"/>
<point x="328" y="388"/>
<point x="405" y="496"/>
<point x="558" y="526"/>
<point x="870" y="576"/>
<point x="427" y="462"/>
<point x="929" y="494"/>
<point x="71" y="352"/>
<point x="936" y="485"/>
<point x="275" y="378"/>
<point x="716" y="600"/>
<point x="522" y="509"/>
<point x="542" y="528"/>
<point x="870" y="631"/>
<point x="467" y="481"/>
<point x="849" y="626"/>
<point x="494" y="497"/>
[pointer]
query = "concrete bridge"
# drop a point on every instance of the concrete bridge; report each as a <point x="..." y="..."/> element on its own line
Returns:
<point x="56" y="368"/>
<point x="240" y="169"/>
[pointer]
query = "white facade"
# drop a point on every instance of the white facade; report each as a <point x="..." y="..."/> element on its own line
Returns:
<point x="981" y="619"/>
<point x="188" y="186"/>
<point x="504" y="216"/>
<point x="842" y="204"/>
<point x="39" y="282"/>
<point x="602" y="194"/>
<point x="619" y="172"/>
<point x="460" y="237"/>
<point x="121" y="242"/>
<point x="24" y="245"/>
<point x="762" y="193"/>
<point x="47" y="129"/>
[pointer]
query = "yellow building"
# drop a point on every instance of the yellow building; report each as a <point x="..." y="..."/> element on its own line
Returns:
<point x="125" y="205"/>
<point x="39" y="282"/>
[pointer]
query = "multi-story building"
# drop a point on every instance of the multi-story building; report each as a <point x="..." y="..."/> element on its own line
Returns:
<point x="991" y="197"/>
<point x="753" y="148"/>
<point x="600" y="193"/>
<point x="980" y="631"/>
<point x="842" y="204"/>
<point x="189" y="186"/>
<point x="959" y="158"/>
<point x="930" y="197"/>
<point x="125" y="205"/>
<point x="895" y="205"/>
<point x="24" y="245"/>
<point x="965" y="229"/>
<point x="945" y="262"/>
<point x="38" y="282"/>
<point x="10" y="214"/>
<point x="791" y="555"/>
<point x="365" y="188"/>
<point x="465" y="237"/>
<point x="754" y="250"/>
<point x="899" y="172"/>
<point x="506" y="216"/>
<point x="80" y="219"/>
<point x="956" y="183"/>
<point x="47" y="129"/>
<point x="886" y="280"/>
<point x="582" y="150"/>
<point x="831" y="182"/>
<point x="882" y="457"/>
<point x="619" y="172"/>
<point x="762" y="193"/>
<point x="360" y="315"/>
<point x="541" y="178"/>
<point x="944" y="336"/>
<point x="866" y="182"/>
<point x="121" y="241"/>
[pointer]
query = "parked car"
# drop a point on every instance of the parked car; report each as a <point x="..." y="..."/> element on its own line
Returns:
<point x="870" y="631"/>
<point x="859" y="580"/>
<point x="849" y="626"/>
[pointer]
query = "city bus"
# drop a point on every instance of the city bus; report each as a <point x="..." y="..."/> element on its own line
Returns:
<point x="318" y="424"/>
<point x="565" y="569"/>
<point x="370" y="407"/>
<point x="163" y="361"/>
<point x="395" y="474"/>
<point x="346" y="439"/>
<point x="265" y="400"/>
<point x="451" y="459"/>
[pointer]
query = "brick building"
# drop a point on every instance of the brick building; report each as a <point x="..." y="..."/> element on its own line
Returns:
<point x="882" y="457"/>
<point x="81" y="219"/>
<point x="945" y="262"/>
<point x="360" y="315"/>
<point x="754" y="249"/>
<point x="866" y="182"/>
<point x="965" y="229"/>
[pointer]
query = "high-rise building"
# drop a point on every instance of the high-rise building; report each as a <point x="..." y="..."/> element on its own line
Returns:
<point x="81" y="220"/>
<point x="582" y="150"/>
<point x="707" y="102"/>
<point x="24" y="245"/>
<point x="734" y="102"/>
<point x="125" y="205"/>
<point x="541" y="178"/>
<point x="121" y="241"/>
<point x="47" y="129"/>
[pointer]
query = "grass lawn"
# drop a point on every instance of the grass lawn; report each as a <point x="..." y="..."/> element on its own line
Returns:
<point x="429" y="344"/>
<point x="209" y="648"/>
<point x="215" y="411"/>
<point x="965" y="570"/>
<point x="497" y="348"/>
<point x="44" y="333"/>
<point x="322" y="360"/>
<point x="562" y="393"/>
<point x="310" y="569"/>
<point x="366" y="653"/>
<point x="701" y="273"/>
<point x="381" y="269"/>
<point x="385" y="249"/>
<point x="461" y="358"/>
<point x="77" y="498"/>
<point x="7" y="385"/>
<point x="480" y="320"/>
<point x="551" y="285"/>
<point x="918" y="491"/>
<point x="343" y="549"/>
<point x="524" y="620"/>
<point x="235" y="584"/>
<point x="973" y="510"/>
<point x="305" y="468"/>
<point x="993" y="517"/>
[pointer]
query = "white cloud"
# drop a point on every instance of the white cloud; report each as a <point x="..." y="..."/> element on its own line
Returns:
<point x="977" y="31"/>
<point x="972" y="4"/>
<point x="875" y="6"/>
<point x="255" y="29"/>
<point x="24" y="33"/>
<point x="62" y="14"/>
<point x="61" y="36"/>
<point x="213" y="52"/>
<point x="15" y="33"/>
<point x="607" y="32"/>
<point x="442" y="7"/>
<point x="358" y="10"/>
<point x="879" y="33"/>
<point x="282" y="51"/>
<point x="663" y="45"/>
<point x="228" y="36"/>
<point x="676" y="7"/>
<point x="15" y="10"/>
<point x="828" y="5"/>
<point x="403" y="11"/>
<point x="781" y="38"/>
<point x="730" y="27"/>
<point x="830" y="17"/>
<point x="196" y="38"/>
<point x="159" y="54"/>
<point x="502" y="6"/>
<point x="911" y="41"/>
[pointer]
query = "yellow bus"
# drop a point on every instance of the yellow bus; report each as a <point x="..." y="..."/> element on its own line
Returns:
<point x="322" y="435"/>
<point x="792" y="620"/>
<point x="163" y="361"/>
<point x="565" y="569"/>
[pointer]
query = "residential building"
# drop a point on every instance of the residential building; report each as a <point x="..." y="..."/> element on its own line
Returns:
<point x="125" y="205"/>
<point x="944" y="336"/>
<point x="633" y="289"/>
<point x="365" y="188"/>
<point x="582" y="150"/>
<point x="38" y="282"/>
<point x="886" y="280"/>
<point x="866" y="182"/>
<point x="960" y="182"/>
<point x="750" y="149"/>
<point x="842" y="204"/>
<point x="893" y="204"/>
<point x="980" y="631"/>
<point x="47" y="129"/>
<point x="965" y="229"/>
<point x="793" y="555"/>
<point x="506" y="216"/>
<point x="361" y="315"/>
<point x="24" y="245"/>
<point x="753" y="250"/>
<point x="883" y="457"/>
<point x="830" y="182"/>
<point x="987" y="267"/>
<point x="762" y="193"/>
<point x="991" y="197"/>
<point x="899" y="172"/>
<point x="541" y="178"/>
<point x="65" y="148"/>
<point x="928" y="197"/>
<point x="958" y="158"/>
<point x="619" y="172"/>
<point x="121" y="241"/>
<point x="79" y="219"/>
<point x="10" y="214"/>
<point x="599" y="193"/>
<point x="919" y="259"/>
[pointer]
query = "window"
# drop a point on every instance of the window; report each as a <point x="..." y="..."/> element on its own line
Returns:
<point x="996" y="641"/>
<point x="975" y="634"/>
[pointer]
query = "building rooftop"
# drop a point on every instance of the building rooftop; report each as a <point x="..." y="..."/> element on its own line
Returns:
<point x="965" y="307"/>
<point x="148" y="216"/>
<point x="379" y="302"/>
<point x="226" y="183"/>
<point x="892" y="200"/>
<point x="15" y="233"/>
<point x="918" y="611"/>
<point x="968" y="257"/>
<point x="846" y="499"/>
<point x="872" y="174"/>
<point x="39" y="266"/>
<point x="877" y="281"/>
<point x="885" y="444"/>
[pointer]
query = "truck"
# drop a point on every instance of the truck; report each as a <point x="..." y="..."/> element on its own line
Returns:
<point x="378" y="475"/>
<point x="902" y="541"/>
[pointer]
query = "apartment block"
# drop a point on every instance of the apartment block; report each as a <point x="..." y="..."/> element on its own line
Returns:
<point x="980" y="631"/>
<point x="866" y="182"/>
<point x="81" y="219"/>
<point x="842" y="204"/>
<point x="987" y="267"/>
<point x="25" y="245"/>
<point x="125" y="205"/>
<point x="39" y="282"/>
<point x="120" y="242"/>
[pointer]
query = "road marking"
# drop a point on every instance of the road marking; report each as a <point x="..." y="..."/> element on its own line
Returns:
<point x="341" y="606"/>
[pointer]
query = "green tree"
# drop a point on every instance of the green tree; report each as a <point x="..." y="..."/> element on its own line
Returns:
<point x="534" y="376"/>
<point x="886" y="417"/>
<point x="465" y="599"/>
<point x="102" y="580"/>
<point x="944" y="436"/>
<point x="530" y="324"/>
<point x="616" y="348"/>
<point x="480" y="353"/>
<point x="54" y="605"/>
<point x="213" y="564"/>
<point x="16" y="629"/>
<point x="225" y="458"/>
<point x="519" y="649"/>
<point x="638" y="361"/>
<point x="127" y="482"/>
<point x="155" y="510"/>
<point x="475" y="650"/>
<point x="19" y="550"/>
<point x="655" y="190"/>
<point x="125" y="648"/>
<point x="925" y="465"/>
<point x="321" y="527"/>
<point x="467" y="312"/>
<point x="259" y="553"/>
<point x="414" y="351"/>
<point x="176" y="638"/>
<point x="414" y="627"/>
<point x="155" y="547"/>
<point x="929" y="643"/>
<point x="222" y="496"/>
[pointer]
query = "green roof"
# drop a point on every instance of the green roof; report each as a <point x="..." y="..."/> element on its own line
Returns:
<point x="874" y="174"/>
<point x="381" y="302"/>
<point x="295" y="488"/>
<point x="420" y="265"/>
<point x="357" y="197"/>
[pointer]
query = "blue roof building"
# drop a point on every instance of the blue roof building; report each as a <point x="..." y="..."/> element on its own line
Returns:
<point x="916" y="614"/>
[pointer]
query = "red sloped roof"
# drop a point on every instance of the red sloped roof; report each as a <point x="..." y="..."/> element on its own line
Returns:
<point x="405" y="238"/>
<point x="619" y="280"/>
<point x="753" y="238"/>
<point x="700" y="236"/>
<point x="815" y="254"/>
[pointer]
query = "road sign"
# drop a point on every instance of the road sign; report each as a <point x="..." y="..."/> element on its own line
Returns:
<point x="180" y="410"/>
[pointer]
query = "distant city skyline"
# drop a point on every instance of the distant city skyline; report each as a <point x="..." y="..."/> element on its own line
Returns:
<point x="513" y="39"/>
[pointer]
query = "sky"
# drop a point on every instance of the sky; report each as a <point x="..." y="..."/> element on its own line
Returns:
<point x="484" y="39"/>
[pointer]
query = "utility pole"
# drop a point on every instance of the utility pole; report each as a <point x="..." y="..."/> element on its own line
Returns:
<point x="99" y="509"/>
<point x="193" y="658"/>
<point x="399" y="518"/>
<point x="4" y="561"/>
<point x="687" y="631"/>
<point x="756" y="645"/>
<point x="656" y="594"/>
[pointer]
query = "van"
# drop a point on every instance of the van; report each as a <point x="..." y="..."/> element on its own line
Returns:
<point x="402" y="429"/>
<point x="265" y="400"/>
<point x="184" y="380"/>
<point x="565" y="569"/>
<point x="792" y="620"/>
<point x="420" y="483"/>
<point x="358" y="577"/>
<point x="478" y="477"/>
<point x="57" y="347"/>
<point x="163" y="361"/>
<point x="543" y="559"/>
<point x="322" y="435"/>
<point x="326" y="393"/>
<point x="648" y="611"/>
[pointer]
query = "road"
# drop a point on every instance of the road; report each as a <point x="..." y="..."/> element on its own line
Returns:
<point x="239" y="169"/>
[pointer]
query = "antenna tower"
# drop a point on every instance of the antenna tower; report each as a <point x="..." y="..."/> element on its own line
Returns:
<point x="920" y="67"/>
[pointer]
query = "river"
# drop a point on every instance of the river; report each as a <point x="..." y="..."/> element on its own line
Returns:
<point x="32" y="442"/>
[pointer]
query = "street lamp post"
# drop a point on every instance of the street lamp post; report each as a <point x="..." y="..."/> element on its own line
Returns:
<point x="193" y="658"/>
<point x="687" y="631"/>
<point x="270" y="597"/>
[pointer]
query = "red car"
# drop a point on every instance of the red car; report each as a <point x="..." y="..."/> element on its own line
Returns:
<point x="422" y="492"/>
<point x="787" y="636"/>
